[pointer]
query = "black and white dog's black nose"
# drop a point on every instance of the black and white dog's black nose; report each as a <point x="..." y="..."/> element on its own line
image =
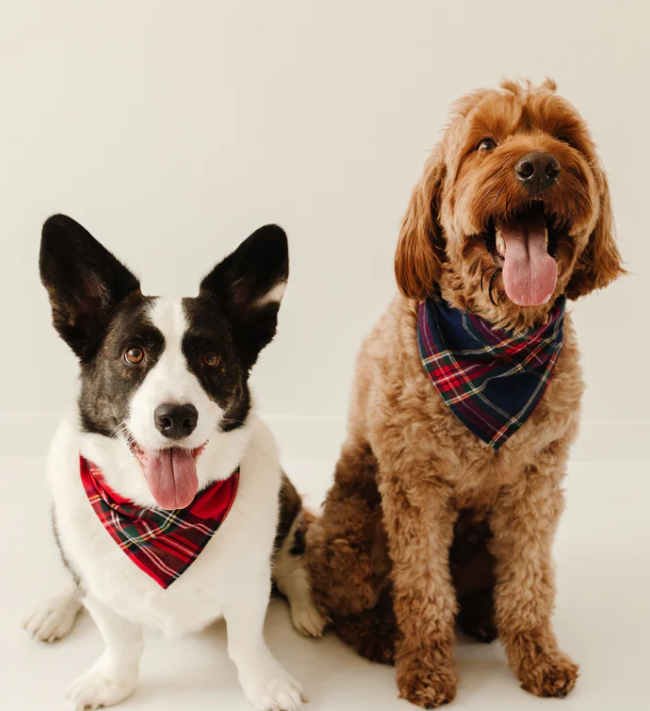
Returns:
<point x="175" y="421"/>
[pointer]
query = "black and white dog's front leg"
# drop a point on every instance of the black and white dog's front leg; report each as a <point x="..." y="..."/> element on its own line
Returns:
<point x="113" y="676"/>
<point x="265" y="682"/>
<point x="54" y="619"/>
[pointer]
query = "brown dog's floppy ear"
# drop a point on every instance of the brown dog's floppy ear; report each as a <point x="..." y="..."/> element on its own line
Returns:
<point x="600" y="262"/>
<point x="421" y="249"/>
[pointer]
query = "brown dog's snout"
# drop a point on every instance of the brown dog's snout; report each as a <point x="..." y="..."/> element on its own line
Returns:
<point x="537" y="171"/>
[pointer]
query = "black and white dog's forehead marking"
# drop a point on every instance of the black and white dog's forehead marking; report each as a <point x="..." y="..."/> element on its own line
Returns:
<point x="179" y="375"/>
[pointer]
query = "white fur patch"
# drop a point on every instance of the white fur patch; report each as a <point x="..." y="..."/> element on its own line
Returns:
<point x="171" y="381"/>
<point x="273" y="296"/>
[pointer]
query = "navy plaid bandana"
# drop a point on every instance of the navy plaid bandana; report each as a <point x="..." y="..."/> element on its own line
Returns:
<point x="491" y="380"/>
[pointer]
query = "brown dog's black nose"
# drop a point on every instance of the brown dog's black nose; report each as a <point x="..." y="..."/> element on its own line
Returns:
<point x="175" y="421"/>
<point x="537" y="171"/>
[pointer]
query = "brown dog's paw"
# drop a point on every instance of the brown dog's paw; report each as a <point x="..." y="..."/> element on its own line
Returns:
<point x="550" y="676"/>
<point x="428" y="688"/>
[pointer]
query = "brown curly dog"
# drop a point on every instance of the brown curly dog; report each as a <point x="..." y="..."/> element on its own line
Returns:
<point x="425" y="523"/>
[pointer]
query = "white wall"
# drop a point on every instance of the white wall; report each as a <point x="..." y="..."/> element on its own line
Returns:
<point x="173" y="129"/>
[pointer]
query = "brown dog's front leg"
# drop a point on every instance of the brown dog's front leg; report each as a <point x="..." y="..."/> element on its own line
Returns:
<point x="419" y="518"/>
<point x="523" y="524"/>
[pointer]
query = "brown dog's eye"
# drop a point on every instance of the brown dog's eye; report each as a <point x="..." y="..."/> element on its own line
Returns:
<point x="564" y="139"/>
<point x="487" y="144"/>
<point x="211" y="359"/>
<point x="134" y="355"/>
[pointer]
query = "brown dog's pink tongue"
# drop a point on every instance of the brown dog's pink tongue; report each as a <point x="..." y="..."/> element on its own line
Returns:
<point x="171" y="476"/>
<point x="529" y="271"/>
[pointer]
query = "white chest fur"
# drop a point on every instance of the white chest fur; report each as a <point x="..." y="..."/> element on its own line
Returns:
<point x="238" y="554"/>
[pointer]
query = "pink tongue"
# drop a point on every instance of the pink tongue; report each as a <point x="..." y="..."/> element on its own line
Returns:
<point x="529" y="272"/>
<point x="171" y="475"/>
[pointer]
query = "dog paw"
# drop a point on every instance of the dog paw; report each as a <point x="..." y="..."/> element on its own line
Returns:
<point x="53" y="620"/>
<point x="428" y="688"/>
<point x="307" y="619"/>
<point x="100" y="687"/>
<point x="279" y="692"/>
<point x="550" y="676"/>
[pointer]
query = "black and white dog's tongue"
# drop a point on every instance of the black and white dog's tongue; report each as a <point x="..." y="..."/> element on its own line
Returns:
<point x="171" y="476"/>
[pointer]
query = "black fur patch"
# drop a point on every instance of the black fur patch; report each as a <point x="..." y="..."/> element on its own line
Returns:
<point x="299" y="544"/>
<point x="227" y="383"/>
<point x="290" y="507"/>
<point x="108" y="382"/>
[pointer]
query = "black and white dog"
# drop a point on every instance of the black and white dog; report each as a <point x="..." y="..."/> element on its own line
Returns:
<point x="164" y="416"/>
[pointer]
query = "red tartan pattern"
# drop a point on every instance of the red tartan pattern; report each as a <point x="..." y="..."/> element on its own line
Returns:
<point x="163" y="544"/>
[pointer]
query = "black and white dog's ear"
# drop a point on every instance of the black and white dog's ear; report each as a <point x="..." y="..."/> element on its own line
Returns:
<point x="249" y="285"/>
<point x="84" y="281"/>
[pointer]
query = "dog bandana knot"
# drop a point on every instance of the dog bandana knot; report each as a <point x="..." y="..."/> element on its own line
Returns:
<point x="161" y="543"/>
<point x="490" y="379"/>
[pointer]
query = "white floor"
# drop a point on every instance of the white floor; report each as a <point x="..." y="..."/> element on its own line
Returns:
<point x="602" y="617"/>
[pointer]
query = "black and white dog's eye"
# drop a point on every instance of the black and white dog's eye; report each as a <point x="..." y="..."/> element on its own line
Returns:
<point x="487" y="144"/>
<point x="134" y="355"/>
<point x="211" y="359"/>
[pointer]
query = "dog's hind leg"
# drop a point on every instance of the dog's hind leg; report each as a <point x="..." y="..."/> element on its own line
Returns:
<point x="289" y="571"/>
<point x="55" y="619"/>
<point x="347" y="554"/>
<point x="372" y="633"/>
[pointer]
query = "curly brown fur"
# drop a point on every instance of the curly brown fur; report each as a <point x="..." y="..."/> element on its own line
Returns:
<point x="423" y="514"/>
<point x="372" y="632"/>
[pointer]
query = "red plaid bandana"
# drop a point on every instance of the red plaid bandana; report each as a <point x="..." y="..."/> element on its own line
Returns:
<point x="161" y="543"/>
<point x="491" y="380"/>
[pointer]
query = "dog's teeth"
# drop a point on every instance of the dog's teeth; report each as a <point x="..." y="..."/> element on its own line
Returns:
<point x="546" y="236"/>
<point x="500" y="243"/>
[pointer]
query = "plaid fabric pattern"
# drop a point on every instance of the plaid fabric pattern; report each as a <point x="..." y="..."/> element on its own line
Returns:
<point x="161" y="543"/>
<point x="491" y="380"/>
